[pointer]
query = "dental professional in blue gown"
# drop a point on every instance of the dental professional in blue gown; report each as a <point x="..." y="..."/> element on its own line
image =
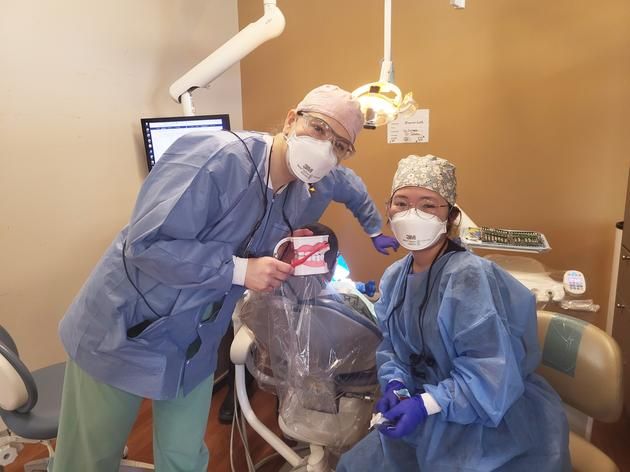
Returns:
<point x="148" y="321"/>
<point x="456" y="365"/>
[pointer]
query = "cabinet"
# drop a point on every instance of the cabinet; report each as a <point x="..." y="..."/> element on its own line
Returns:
<point x="621" y="324"/>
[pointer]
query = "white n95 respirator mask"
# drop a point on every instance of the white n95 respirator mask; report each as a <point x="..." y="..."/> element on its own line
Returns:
<point x="416" y="230"/>
<point x="310" y="159"/>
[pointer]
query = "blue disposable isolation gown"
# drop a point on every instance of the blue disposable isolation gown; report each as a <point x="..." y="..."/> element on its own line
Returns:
<point x="195" y="210"/>
<point x="478" y="360"/>
<point x="342" y="185"/>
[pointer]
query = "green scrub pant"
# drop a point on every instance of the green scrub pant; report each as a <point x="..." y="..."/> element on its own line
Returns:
<point x="96" y="419"/>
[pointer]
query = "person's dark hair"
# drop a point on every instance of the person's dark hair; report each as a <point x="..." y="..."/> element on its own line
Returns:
<point x="331" y="255"/>
<point x="452" y="225"/>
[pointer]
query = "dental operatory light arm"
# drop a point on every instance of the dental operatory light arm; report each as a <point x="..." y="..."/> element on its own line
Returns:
<point x="249" y="38"/>
<point x="382" y="101"/>
<point x="387" y="71"/>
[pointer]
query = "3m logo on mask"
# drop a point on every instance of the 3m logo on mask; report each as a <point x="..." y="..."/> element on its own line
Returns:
<point x="410" y="237"/>
<point x="307" y="168"/>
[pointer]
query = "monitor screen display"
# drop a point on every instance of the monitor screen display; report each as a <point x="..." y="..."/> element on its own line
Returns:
<point x="160" y="133"/>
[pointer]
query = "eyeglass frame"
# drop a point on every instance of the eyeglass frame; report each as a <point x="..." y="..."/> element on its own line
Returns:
<point x="333" y="136"/>
<point x="421" y="206"/>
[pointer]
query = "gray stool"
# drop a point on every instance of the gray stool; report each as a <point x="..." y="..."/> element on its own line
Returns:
<point x="29" y="406"/>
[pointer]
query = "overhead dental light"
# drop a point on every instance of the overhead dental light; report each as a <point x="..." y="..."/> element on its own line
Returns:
<point x="249" y="38"/>
<point x="382" y="101"/>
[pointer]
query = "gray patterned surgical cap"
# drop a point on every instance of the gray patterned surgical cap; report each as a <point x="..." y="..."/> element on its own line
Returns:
<point x="428" y="171"/>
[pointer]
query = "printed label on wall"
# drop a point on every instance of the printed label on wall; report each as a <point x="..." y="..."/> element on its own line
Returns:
<point x="409" y="129"/>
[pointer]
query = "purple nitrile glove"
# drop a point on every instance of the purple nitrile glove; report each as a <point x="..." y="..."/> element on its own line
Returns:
<point x="389" y="398"/>
<point x="404" y="417"/>
<point x="382" y="242"/>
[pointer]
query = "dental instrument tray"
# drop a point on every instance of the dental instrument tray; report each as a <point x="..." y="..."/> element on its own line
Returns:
<point x="505" y="239"/>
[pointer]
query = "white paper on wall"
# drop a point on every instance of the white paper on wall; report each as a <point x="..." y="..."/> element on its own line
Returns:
<point x="409" y="129"/>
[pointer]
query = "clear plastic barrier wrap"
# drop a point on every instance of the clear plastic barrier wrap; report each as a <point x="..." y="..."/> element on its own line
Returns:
<point x="315" y="348"/>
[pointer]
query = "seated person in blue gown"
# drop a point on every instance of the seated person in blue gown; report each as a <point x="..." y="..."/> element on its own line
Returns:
<point x="456" y="364"/>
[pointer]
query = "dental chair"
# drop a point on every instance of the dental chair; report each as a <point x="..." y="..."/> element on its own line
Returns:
<point x="584" y="366"/>
<point x="29" y="406"/>
<point x="319" y="358"/>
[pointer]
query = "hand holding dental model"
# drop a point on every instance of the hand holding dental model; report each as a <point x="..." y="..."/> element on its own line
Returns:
<point x="265" y="274"/>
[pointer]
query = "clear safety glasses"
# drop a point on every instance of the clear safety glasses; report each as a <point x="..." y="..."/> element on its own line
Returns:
<point x="427" y="209"/>
<point x="319" y="129"/>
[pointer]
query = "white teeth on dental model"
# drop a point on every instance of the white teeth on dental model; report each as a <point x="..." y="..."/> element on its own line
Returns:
<point x="313" y="258"/>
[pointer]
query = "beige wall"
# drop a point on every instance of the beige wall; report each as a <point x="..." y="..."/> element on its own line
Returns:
<point x="528" y="98"/>
<point x="75" y="79"/>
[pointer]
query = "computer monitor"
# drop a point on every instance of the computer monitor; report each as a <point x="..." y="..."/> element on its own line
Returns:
<point x="160" y="133"/>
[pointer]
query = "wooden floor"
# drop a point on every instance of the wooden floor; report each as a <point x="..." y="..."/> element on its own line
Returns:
<point x="217" y="438"/>
<point x="613" y="439"/>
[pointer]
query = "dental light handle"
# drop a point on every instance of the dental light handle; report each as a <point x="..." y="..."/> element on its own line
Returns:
<point x="253" y="35"/>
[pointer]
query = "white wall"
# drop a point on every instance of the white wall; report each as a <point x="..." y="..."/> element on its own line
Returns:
<point x="75" y="79"/>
